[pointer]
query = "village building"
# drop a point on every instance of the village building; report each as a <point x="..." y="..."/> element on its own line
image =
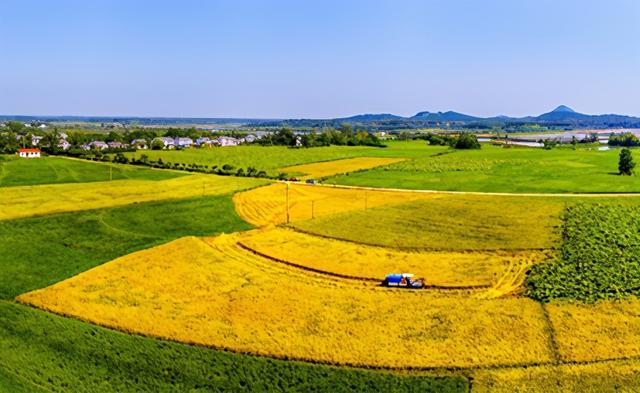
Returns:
<point x="29" y="153"/>
<point x="226" y="141"/>
<point x="183" y="142"/>
<point x="117" y="145"/>
<point x="98" y="145"/>
<point x="63" y="144"/>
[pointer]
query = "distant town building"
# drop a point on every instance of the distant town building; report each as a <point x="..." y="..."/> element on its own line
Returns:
<point x="63" y="144"/>
<point x="226" y="141"/>
<point x="250" y="138"/>
<point x="29" y="153"/>
<point x="98" y="145"/>
<point x="35" y="140"/>
<point x="183" y="142"/>
<point x="117" y="145"/>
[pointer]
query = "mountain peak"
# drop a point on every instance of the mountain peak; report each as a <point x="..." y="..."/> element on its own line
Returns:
<point x="563" y="108"/>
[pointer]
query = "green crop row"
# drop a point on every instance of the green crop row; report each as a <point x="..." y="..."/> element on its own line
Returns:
<point x="600" y="256"/>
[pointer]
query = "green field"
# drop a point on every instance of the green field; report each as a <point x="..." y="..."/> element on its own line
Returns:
<point x="497" y="169"/>
<point x="600" y="256"/>
<point x="270" y="158"/>
<point x="490" y="169"/>
<point x="452" y="222"/>
<point x="16" y="171"/>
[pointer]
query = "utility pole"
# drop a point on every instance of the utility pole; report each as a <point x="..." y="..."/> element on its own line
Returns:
<point x="287" y="201"/>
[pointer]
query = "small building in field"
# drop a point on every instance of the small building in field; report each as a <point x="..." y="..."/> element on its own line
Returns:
<point x="63" y="144"/>
<point x="226" y="141"/>
<point x="35" y="140"/>
<point x="183" y="142"/>
<point x="140" y="144"/>
<point x="29" y="153"/>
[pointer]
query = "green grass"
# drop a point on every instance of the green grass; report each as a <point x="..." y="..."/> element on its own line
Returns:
<point x="271" y="158"/>
<point x="16" y="171"/>
<point x="40" y="251"/>
<point x="600" y="255"/>
<point x="496" y="169"/>
<point x="451" y="222"/>
<point x="61" y="354"/>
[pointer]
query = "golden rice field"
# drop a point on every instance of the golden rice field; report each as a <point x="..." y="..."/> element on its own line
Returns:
<point x="613" y="376"/>
<point x="212" y="292"/>
<point x="358" y="260"/>
<point x="25" y="201"/>
<point x="605" y="330"/>
<point x="216" y="294"/>
<point x="337" y="167"/>
<point x="268" y="205"/>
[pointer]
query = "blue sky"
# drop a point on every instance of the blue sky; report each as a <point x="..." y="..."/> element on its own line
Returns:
<point x="318" y="58"/>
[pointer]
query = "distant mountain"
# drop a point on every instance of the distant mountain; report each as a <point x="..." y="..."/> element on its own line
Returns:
<point x="443" y="117"/>
<point x="561" y="113"/>
<point x="370" y="117"/>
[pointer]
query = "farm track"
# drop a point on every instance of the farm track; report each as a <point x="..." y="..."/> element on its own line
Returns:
<point x="456" y="288"/>
<point x="480" y="193"/>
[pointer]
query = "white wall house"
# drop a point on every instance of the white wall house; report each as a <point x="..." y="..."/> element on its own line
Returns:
<point x="29" y="153"/>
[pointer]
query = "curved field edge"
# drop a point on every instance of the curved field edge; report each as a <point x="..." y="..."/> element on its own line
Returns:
<point x="41" y="251"/>
<point x="62" y="354"/>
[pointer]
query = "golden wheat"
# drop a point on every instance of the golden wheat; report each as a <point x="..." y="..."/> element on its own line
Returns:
<point x="219" y="295"/>
<point x="330" y="168"/>
<point x="25" y="201"/>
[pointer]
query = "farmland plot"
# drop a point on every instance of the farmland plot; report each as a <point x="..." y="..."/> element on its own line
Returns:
<point x="26" y="201"/>
<point x="345" y="258"/>
<point x="216" y="294"/>
<point x="330" y="168"/>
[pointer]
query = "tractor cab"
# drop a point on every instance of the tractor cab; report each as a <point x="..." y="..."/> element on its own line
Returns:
<point x="403" y="280"/>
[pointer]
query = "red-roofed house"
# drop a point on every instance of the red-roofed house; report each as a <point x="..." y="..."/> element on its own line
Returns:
<point x="29" y="153"/>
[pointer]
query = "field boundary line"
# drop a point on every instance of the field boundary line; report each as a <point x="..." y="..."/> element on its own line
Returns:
<point x="553" y="341"/>
<point x="523" y="194"/>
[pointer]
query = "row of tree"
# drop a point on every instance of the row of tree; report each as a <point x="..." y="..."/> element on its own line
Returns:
<point x="465" y="140"/>
<point x="344" y="136"/>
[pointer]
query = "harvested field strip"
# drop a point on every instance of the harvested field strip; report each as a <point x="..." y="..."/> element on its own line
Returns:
<point x="221" y="296"/>
<point x="342" y="258"/>
<point x="336" y="167"/>
<point x="26" y="201"/>
<point x="268" y="205"/>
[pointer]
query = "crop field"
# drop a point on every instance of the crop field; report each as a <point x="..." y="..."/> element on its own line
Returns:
<point x="27" y="201"/>
<point x="612" y="376"/>
<point x="336" y="167"/>
<point x="272" y="158"/>
<point x="16" y="171"/>
<point x="525" y="293"/>
<point x="449" y="222"/>
<point x="209" y="293"/>
<point x="497" y="169"/>
<point x="600" y="255"/>
<point x="441" y="268"/>
<point x="268" y="205"/>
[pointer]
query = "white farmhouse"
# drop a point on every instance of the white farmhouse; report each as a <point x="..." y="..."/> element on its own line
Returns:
<point x="29" y="153"/>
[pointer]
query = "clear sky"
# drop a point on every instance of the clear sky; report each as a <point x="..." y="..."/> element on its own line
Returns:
<point x="299" y="58"/>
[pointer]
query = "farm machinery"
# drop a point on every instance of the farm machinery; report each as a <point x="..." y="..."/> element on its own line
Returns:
<point x="403" y="280"/>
